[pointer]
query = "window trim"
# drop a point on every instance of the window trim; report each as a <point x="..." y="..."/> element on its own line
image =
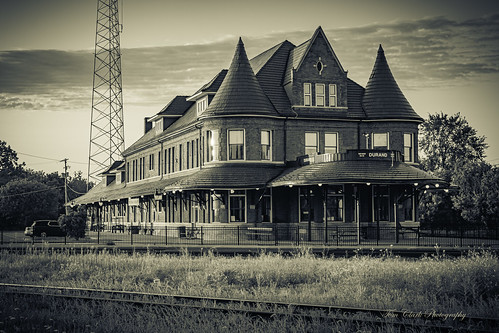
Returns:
<point x="307" y="94"/>
<point x="316" y="143"/>
<point x="270" y="145"/>
<point x="320" y="95"/>
<point x="411" y="154"/>
<point x="228" y="144"/>
<point x="333" y="94"/>
<point x="325" y="142"/>
<point x="387" y="139"/>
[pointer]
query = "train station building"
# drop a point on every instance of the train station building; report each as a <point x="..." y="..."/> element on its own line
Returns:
<point x="283" y="138"/>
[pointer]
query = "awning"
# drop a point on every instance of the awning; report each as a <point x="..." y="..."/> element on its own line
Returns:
<point x="227" y="176"/>
<point x="362" y="171"/>
<point x="121" y="191"/>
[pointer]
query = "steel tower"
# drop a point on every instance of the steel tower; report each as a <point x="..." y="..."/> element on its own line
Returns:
<point x="107" y="140"/>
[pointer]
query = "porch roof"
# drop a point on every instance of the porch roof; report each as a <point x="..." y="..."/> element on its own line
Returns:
<point x="121" y="191"/>
<point x="365" y="171"/>
<point x="227" y="176"/>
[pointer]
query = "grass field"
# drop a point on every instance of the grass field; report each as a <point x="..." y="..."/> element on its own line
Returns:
<point x="467" y="285"/>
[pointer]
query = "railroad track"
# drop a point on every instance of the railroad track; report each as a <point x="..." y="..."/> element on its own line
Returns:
<point x="403" y="320"/>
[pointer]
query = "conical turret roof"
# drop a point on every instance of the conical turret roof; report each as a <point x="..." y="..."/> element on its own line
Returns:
<point x="240" y="92"/>
<point x="383" y="97"/>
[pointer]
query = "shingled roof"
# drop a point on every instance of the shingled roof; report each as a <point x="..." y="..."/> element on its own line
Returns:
<point x="240" y="92"/>
<point x="378" y="172"/>
<point x="177" y="107"/>
<point x="383" y="98"/>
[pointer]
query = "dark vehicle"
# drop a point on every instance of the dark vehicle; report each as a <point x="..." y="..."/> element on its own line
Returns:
<point x="44" y="228"/>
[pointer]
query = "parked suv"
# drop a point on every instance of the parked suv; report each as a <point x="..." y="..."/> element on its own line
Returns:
<point x="44" y="228"/>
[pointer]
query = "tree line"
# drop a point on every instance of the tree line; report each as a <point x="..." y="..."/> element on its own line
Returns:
<point x="27" y="195"/>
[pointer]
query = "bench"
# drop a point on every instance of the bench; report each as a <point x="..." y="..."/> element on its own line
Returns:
<point x="260" y="233"/>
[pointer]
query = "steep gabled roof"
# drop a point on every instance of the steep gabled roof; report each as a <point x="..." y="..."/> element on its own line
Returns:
<point x="240" y="92"/>
<point x="383" y="98"/>
<point x="269" y="67"/>
<point x="177" y="107"/>
<point x="213" y="85"/>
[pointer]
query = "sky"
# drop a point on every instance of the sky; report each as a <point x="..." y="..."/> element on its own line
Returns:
<point x="444" y="55"/>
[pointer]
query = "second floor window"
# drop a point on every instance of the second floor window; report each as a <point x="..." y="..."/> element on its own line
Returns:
<point x="408" y="147"/>
<point x="266" y="140"/>
<point x="332" y="95"/>
<point x="151" y="162"/>
<point x="212" y="146"/>
<point x="307" y="94"/>
<point x="311" y="146"/>
<point x="380" y="141"/>
<point x="331" y="143"/>
<point x="236" y="144"/>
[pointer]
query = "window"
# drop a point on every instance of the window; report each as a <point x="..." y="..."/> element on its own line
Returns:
<point x="171" y="157"/>
<point x="408" y="208"/>
<point x="151" y="162"/>
<point x="332" y="95"/>
<point x="266" y="141"/>
<point x="193" y="153"/>
<point x="334" y="203"/>
<point x="319" y="94"/>
<point x="127" y="172"/>
<point x="180" y="157"/>
<point x="306" y="204"/>
<point x="236" y="144"/>
<point x="159" y="163"/>
<point x="311" y="147"/>
<point x="266" y="205"/>
<point x="408" y="148"/>
<point x="188" y="155"/>
<point x="380" y="141"/>
<point x="197" y="153"/>
<point x="212" y="143"/>
<point x="381" y="203"/>
<point x="307" y="94"/>
<point x="237" y="202"/>
<point x="331" y="143"/>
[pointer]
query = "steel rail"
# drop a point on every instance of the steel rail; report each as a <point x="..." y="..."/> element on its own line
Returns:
<point x="331" y="313"/>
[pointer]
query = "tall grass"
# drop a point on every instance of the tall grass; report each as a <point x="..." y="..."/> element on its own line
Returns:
<point x="467" y="284"/>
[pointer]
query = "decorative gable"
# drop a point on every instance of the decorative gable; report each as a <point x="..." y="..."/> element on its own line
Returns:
<point x="315" y="76"/>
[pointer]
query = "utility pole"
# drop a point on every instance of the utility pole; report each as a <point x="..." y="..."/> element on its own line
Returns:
<point x="66" y="185"/>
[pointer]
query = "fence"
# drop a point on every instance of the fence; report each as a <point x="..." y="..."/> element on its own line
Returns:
<point x="275" y="235"/>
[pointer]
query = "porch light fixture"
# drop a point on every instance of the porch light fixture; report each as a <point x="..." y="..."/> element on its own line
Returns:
<point x="427" y="186"/>
<point x="368" y="184"/>
<point x="320" y="184"/>
<point x="290" y="186"/>
<point x="231" y="191"/>
<point x="446" y="190"/>
<point x="437" y="185"/>
<point x="416" y="184"/>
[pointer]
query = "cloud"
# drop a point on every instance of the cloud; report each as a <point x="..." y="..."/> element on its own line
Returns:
<point x="421" y="53"/>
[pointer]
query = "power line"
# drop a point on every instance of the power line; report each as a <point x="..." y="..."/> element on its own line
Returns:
<point x="13" y="195"/>
<point x="51" y="159"/>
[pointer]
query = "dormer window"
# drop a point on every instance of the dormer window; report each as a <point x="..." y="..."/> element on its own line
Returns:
<point x="158" y="125"/>
<point x="201" y="105"/>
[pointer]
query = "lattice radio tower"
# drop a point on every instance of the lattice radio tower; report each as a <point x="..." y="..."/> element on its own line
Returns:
<point x="107" y="140"/>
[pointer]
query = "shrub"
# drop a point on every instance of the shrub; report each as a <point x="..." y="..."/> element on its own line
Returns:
<point x="75" y="223"/>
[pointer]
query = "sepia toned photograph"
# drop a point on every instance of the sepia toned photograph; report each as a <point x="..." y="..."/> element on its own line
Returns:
<point x="249" y="166"/>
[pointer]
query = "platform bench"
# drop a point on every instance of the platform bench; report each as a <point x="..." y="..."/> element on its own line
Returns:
<point x="260" y="233"/>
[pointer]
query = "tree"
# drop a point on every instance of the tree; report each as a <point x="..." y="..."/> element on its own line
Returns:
<point x="23" y="201"/>
<point x="75" y="223"/>
<point x="9" y="168"/>
<point x="478" y="195"/>
<point x="448" y="140"/>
